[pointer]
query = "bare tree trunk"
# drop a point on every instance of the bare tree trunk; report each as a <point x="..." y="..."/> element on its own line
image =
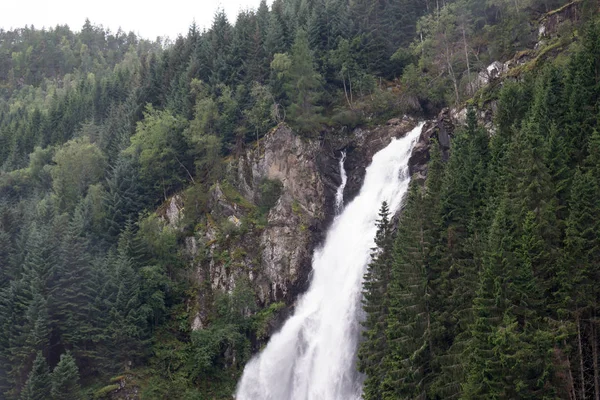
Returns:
<point x="351" y="95"/>
<point x="570" y="382"/>
<point x="186" y="170"/>
<point x="580" y="349"/>
<point x="451" y="70"/>
<point x="346" y="93"/>
<point x="595" y="358"/>
<point x="467" y="58"/>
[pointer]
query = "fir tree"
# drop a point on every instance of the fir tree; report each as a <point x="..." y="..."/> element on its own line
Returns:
<point x="38" y="383"/>
<point x="408" y="328"/>
<point x="65" y="379"/>
<point x="375" y="303"/>
<point x="303" y="84"/>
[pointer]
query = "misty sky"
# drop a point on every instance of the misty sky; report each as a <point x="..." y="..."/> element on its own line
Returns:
<point x="148" y="18"/>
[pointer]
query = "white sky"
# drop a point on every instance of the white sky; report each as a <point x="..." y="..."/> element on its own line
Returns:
<point x="148" y="18"/>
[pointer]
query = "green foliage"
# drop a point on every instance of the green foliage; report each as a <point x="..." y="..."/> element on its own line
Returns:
<point x="491" y="291"/>
<point x="269" y="192"/>
<point x="195" y="201"/>
<point x="263" y="319"/>
<point x="260" y="114"/>
<point x="105" y="391"/>
<point x="98" y="128"/>
<point x="38" y="382"/>
<point x="376" y="304"/>
<point x="78" y="164"/>
<point x="157" y="144"/>
<point x="234" y="196"/>
<point x="301" y="84"/>
<point x="65" y="379"/>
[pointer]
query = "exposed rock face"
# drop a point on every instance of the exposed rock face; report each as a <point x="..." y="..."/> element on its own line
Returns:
<point x="493" y="71"/>
<point x="275" y="258"/>
<point x="295" y="223"/>
<point x="309" y="172"/>
<point x="442" y="129"/>
<point x="172" y="213"/>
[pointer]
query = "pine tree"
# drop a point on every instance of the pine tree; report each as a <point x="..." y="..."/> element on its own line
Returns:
<point x="65" y="379"/>
<point x="38" y="383"/>
<point x="582" y="94"/>
<point x="276" y="40"/>
<point x="580" y="270"/>
<point x="456" y="260"/>
<point x="303" y="86"/>
<point x="510" y="347"/>
<point x="126" y="328"/>
<point x="375" y="303"/>
<point x="7" y="272"/>
<point x="220" y="36"/>
<point x="408" y="328"/>
<point x="484" y="370"/>
<point x="122" y="196"/>
<point x="74" y="294"/>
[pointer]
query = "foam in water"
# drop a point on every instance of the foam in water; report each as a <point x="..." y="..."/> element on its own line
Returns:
<point x="313" y="357"/>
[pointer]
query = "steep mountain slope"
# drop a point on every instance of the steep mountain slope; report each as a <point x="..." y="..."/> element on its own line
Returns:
<point x="160" y="202"/>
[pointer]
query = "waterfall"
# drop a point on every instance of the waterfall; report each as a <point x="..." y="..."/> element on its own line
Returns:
<point x="313" y="356"/>
<point x="339" y="195"/>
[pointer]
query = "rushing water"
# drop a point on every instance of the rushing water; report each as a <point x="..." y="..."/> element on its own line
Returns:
<point x="313" y="357"/>
<point x="339" y="195"/>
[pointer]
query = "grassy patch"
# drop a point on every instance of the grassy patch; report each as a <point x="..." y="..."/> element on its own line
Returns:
<point x="105" y="391"/>
<point x="232" y="195"/>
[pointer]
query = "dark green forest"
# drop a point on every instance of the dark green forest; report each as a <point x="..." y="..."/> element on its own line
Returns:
<point x="486" y="290"/>
<point x="489" y="287"/>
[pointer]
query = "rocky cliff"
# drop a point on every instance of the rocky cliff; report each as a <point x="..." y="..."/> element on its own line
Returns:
<point x="297" y="178"/>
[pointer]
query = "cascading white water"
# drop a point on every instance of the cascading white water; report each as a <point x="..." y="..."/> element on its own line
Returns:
<point x="339" y="195"/>
<point x="313" y="357"/>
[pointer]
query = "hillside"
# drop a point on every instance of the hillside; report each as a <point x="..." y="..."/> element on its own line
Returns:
<point x="160" y="202"/>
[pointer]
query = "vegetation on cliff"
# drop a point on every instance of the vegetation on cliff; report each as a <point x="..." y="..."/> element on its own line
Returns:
<point x="98" y="129"/>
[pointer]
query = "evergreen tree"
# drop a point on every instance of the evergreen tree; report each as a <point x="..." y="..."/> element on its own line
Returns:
<point x="303" y="84"/>
<point x="408" y="328"/>
<point x="38" y="383"/>
<point x="73" y="297"/>
<point x="65" y="379"/>
<point x="580" y="270"/>
<point x="276" y="40"/>
<point x="483" y="368"/>
<point x="456" y="260"/>
<point x="122" y="196"/>
<point x="375" y="303"/>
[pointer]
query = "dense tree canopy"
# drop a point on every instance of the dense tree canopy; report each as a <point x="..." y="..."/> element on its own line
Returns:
<point x="99" y="128"/>
<point x="492" y="279"/>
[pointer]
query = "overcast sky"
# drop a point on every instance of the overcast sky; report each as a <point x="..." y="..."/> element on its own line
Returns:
<point x="149" y="18"/>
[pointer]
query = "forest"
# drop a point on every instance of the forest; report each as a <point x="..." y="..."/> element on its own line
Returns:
<point x="487" y="288"/>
